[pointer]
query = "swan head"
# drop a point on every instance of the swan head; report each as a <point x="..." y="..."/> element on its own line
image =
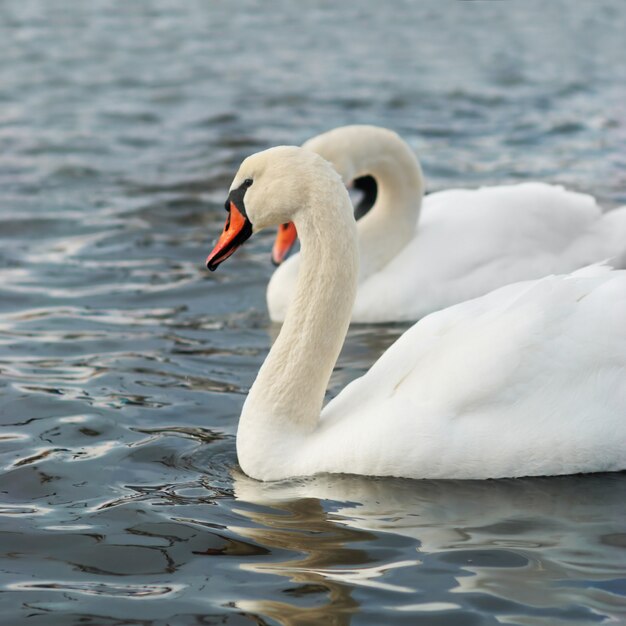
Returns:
<point x="270" y="188"/>
<point x="360" y="154"/>
<point x="334" y="146"/>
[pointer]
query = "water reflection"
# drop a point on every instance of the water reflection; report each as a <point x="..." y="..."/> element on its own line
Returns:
<point x="322" y="547"/>
<point x="509" y="547"/>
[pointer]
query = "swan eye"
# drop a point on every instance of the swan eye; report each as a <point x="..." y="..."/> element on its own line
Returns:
<point x="247" y="183"/>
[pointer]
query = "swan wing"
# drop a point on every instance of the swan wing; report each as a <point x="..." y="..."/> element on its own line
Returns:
<point x="528" y="380"/>
<point x="470" y="242"/>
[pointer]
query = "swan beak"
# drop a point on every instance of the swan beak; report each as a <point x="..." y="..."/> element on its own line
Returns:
<point x="236" y="230"/>
<point x="285" y="238"/>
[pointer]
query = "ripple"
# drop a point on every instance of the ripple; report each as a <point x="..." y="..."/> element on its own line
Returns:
<point x="203" y="435"/>
<point x="128" y="591"/>
<point x="82" y="453"/>
<point x="428" y="607"/>
<point x="9" y="437"/>
<point x="111" y="400"/>
<point x="138" y="316"/>
<point x="38" y="456"/>
<point x="70" y="172"/>
<point x="485" y="558"/>
<point x="27" y="511"/>
<point x="55" y="370"/>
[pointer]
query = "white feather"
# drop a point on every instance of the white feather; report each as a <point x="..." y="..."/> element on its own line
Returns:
<point x="527" y="380"/>
<point x="461" y="244"/>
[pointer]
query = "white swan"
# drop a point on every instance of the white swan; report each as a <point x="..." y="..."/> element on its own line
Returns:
<point x="468" y="242"/>
<point x="527" y="380"/>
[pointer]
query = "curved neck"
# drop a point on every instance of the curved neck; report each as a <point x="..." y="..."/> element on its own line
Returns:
<point x="357" y="151"/>
<point x="288" y="392"/>
<point x="391" y="222"/>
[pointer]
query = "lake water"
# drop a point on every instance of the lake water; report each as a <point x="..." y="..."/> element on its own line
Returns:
<point x="124" y="363"/>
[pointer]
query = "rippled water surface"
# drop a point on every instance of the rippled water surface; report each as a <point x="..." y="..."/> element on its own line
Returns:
<point x="123" y="364"/>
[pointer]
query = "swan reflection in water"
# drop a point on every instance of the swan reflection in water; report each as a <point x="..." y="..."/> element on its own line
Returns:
<point x="546" y="548"/>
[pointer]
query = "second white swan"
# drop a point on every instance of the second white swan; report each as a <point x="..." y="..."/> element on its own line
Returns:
<point x="419" y="255"/>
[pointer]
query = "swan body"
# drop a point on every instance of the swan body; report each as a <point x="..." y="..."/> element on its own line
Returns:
<point x="419" y="255"/>
<point x="529" y="379"/>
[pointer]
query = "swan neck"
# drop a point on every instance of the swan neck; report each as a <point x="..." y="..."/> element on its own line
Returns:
<point x="290" y="387"/>
<point x="391" y="222"/>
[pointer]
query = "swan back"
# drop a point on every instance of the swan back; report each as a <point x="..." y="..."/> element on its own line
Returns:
<point x="527" y="380"/>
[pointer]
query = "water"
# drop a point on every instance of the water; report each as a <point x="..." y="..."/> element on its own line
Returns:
<point x="124" y="364"/>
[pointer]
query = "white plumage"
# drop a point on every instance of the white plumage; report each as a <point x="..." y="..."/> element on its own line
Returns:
<point x="527" y="380"/>
<point x="461" y="243"/>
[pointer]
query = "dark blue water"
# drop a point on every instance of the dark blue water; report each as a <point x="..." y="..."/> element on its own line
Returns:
<point x="123" y="364"/>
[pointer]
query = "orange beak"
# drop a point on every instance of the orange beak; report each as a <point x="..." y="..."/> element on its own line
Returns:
<point x="285" y="238"/>
<point x="236" y="230"/>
